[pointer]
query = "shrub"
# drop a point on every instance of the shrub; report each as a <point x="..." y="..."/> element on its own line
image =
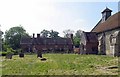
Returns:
<point x="13" y="51"/>
<point x="3" y="53"/>
<point x="9" y="52"/>
<point x="19" y="51"/>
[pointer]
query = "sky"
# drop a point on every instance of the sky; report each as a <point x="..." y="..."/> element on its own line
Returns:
<point x="57" y="15"/>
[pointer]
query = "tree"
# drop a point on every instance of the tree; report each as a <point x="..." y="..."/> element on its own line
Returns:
<point x="76" y="41"/>
<point x="77" y="38"/>
<point x="68" y="32"/>
<point x="53" y="34"/>
<point x="78" y="33"/>
<point x="1" y="33"/>
<point x="45" y="33"/>
<point x="13" y="36"/>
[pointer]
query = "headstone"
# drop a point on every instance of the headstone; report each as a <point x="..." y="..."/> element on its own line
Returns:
<point x="21" y="55"/>
<point x="39" y="54"/>
<point x="9" y="56"/>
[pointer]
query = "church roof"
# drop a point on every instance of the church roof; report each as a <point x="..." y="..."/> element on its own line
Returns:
<point x="112" y="22"/>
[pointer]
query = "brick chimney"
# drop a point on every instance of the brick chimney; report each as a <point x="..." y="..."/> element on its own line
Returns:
<point x="38" y="35"/>
<point x="33" y="35"/>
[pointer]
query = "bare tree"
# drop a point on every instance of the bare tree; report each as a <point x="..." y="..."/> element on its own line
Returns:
<point x="68" y="32"/>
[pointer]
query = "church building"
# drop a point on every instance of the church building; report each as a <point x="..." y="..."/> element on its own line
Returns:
<point x="108" y="33"/>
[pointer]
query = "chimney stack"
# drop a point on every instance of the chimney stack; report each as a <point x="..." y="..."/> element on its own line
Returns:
<point x="33" y="35"/>
<point x="38" y="35"/>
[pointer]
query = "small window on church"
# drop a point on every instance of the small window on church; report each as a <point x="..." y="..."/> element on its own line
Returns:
<point x="111" y="36"/>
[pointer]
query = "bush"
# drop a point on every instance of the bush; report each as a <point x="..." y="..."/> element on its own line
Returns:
<point x="13" y="51"/>
<point x="9" y="52"/>
<point x="19" y="50"/>
<point x="3" y="53"/>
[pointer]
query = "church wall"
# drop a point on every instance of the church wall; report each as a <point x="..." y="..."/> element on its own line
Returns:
<point x="107" y="42"/>
<point x="101" y="45"/>
<point x="119" y="44"/>
<point x="109" y="49"/>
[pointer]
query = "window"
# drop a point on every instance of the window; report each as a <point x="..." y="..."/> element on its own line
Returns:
<point x="111" y="36"/>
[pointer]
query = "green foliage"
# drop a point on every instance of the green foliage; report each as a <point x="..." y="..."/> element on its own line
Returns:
<point x="77" y="38"/>
<point x="45" y="33"/>
<point x="3" y="53"/>
<point x="76" y="41"/>
<point x="13" y="36"/>
<point x="9" y="52"/>
<point x="19" y="51"/>
<point x="60" y="64"/>
<point x="51" y="34"/>
<point x="15" y="52"/>
<point x="5" y="46"/>
<point x="78" y="33"/>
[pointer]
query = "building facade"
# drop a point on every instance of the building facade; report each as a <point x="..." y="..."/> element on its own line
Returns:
<point x="46" y="44"/>
<point x="88" y="43"/>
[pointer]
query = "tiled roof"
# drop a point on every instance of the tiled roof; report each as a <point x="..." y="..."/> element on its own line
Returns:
<point x="25" y="40"/>
<point x="46" y="41"/>
<point x="111" y="23"/>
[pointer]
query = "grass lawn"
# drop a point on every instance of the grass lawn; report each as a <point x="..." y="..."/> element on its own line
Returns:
<point x="60" y="64"/>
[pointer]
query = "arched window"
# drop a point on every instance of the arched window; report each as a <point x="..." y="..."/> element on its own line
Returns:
<point x="110" y="39"/>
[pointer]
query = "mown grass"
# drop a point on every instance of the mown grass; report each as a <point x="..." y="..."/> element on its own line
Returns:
<point x="60" y="64"/>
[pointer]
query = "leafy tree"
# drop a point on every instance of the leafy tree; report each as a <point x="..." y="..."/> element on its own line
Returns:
<point x="5" y="46"/>
<point x="13" y="36"/>
<point x="78" y="33"/>
<point x="45" y="33"/>
<point x="53" y="34"/>
<point x="76" y="41"/>
<point x="77" y="38"/>
<point x="1" y="33"/>
<point x="68" y="32"/>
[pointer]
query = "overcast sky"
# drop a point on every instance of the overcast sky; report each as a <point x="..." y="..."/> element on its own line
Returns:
<point x="36" y="15"/>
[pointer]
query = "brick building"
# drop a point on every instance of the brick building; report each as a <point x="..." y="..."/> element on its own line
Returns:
<point x="46" y="44"/>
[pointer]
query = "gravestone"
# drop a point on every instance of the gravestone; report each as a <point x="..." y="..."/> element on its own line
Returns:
<point x="39" y="54"/>
<point x="9" y="56"/>
<point x="21" y="54"/>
